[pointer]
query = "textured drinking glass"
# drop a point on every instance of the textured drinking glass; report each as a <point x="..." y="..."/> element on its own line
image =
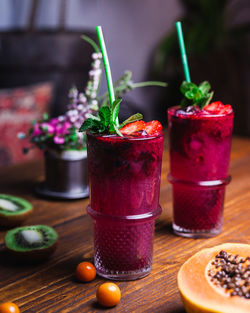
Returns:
<point x="200" y="145"/>
<point x="124" y="177"/>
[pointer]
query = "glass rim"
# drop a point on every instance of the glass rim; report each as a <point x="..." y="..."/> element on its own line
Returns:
<point x="188" y="116"/>
<point x="116" y="138"/>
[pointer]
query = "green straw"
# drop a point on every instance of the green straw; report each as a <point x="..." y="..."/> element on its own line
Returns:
<point x="183" y="51"/>
<point x="106" y="64"/>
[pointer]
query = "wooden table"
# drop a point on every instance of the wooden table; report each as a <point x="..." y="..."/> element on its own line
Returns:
<point x="51" y="286"/>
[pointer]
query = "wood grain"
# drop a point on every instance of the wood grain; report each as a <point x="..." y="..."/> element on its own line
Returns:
<point x="51" y="286"/>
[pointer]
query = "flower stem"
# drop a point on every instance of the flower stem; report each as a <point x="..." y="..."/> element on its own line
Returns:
<point x="149" y="83"/>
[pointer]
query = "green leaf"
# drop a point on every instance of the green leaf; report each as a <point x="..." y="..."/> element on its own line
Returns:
<point x="87" y="124"/>
<point x="209" y="98"/>
<point x="131" y="119"/>
<point x="93" y="117"/>
<point x="104" y="113"/>
<point x="197" y="95"/>
<point x="115" y="111"/>
<point x="189" y="95"/>
<point x="204" y="87"/>
<point x="91" y="42"/>
<point x="117" y="131"/>
<point x="94" y="126"/>
<point x="205" y="100"/>
<point x="194" y="95"/>
<point x="185" y="86"/>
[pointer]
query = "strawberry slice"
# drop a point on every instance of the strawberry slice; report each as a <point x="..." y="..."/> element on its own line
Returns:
<point x="153" y="127"/>
<point x="218" y="107"/>
<point x="227" y="109"/>
<point x="133" y="127"/>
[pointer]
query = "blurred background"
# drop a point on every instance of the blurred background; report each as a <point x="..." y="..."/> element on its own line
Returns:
<point x="42" y="56"/>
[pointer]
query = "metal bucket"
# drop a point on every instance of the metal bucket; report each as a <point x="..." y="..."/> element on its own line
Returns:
<point x="65" y="175"/>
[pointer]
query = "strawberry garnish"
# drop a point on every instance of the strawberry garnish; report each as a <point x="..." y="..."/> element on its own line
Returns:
<point x="218" y="107"/>
<point x="153" y="127"/>
<point x="133" y="127"/>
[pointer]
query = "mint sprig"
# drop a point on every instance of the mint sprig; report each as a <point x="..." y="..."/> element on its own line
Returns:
<point x="196" y="95"/>
<point x="99" y="123"/>
<point x="107" y="120"/>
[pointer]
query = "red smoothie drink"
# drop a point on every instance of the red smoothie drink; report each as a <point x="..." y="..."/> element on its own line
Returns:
<point x="124" y="177"/>
<point x="124" y="170"/>
<point x="200" y="142"/>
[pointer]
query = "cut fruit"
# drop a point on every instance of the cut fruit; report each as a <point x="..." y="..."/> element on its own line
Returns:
<point x="208" y="281"/>
<point x="150" y="128"/>
<point x="31" y="242"/>
<point x="13" y="210"/>
<point x="153" y="127"/>
<point x="132" y="128"/>
<point x="218" y="107"/>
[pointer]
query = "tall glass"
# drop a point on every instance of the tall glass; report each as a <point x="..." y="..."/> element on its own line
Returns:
<point x="124" y="177"/>
<point x="200" y="144"/>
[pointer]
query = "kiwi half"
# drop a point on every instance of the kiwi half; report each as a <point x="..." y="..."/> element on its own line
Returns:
<point x="34" y="242"/>
<point x="13" y="210"/>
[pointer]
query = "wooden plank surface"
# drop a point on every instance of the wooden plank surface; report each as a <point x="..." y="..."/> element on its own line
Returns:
<point x="51" y="286"/>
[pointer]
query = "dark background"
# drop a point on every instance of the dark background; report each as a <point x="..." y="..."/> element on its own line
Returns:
<point x="40" y="41"/>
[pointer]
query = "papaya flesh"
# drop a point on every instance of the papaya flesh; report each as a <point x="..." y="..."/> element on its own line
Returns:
<point x="202" y="293"/>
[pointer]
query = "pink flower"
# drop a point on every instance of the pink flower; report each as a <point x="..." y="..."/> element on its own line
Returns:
<point x="58" y="140"/>
<point x="54" y="121"/>
<point x="47" y="126"/>
<point x="36" y="130"/>
<point x="63" y="128"/>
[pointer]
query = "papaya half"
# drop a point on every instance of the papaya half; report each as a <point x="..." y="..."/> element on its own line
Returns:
<point x="217" y="280"/>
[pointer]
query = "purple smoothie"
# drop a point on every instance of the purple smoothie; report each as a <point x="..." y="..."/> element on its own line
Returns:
<point x="124" y="177"/>
<point x="200" y="144"/>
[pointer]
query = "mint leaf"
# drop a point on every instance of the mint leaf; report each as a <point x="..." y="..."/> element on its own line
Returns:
<point x="185" y="86"/>
<point x="93" y="117"/>
<point x="93" y="126"/>
<point x="87" y="124"/>
<point x="115" y="111"/>
<point x="195" y="95"/>
<point x="131" y="119"/>
<point x="105" y="114"/>
<point x="204" y="87"/>
<point x="117" y="131"/>
<point x="209" y="98"/>
<point x="97" y="124"/>
<point x="189" y="95"/>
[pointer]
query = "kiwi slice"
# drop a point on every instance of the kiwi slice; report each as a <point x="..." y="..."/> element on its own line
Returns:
<point x="13" y="210"/>
<point x="31" y="242"/>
